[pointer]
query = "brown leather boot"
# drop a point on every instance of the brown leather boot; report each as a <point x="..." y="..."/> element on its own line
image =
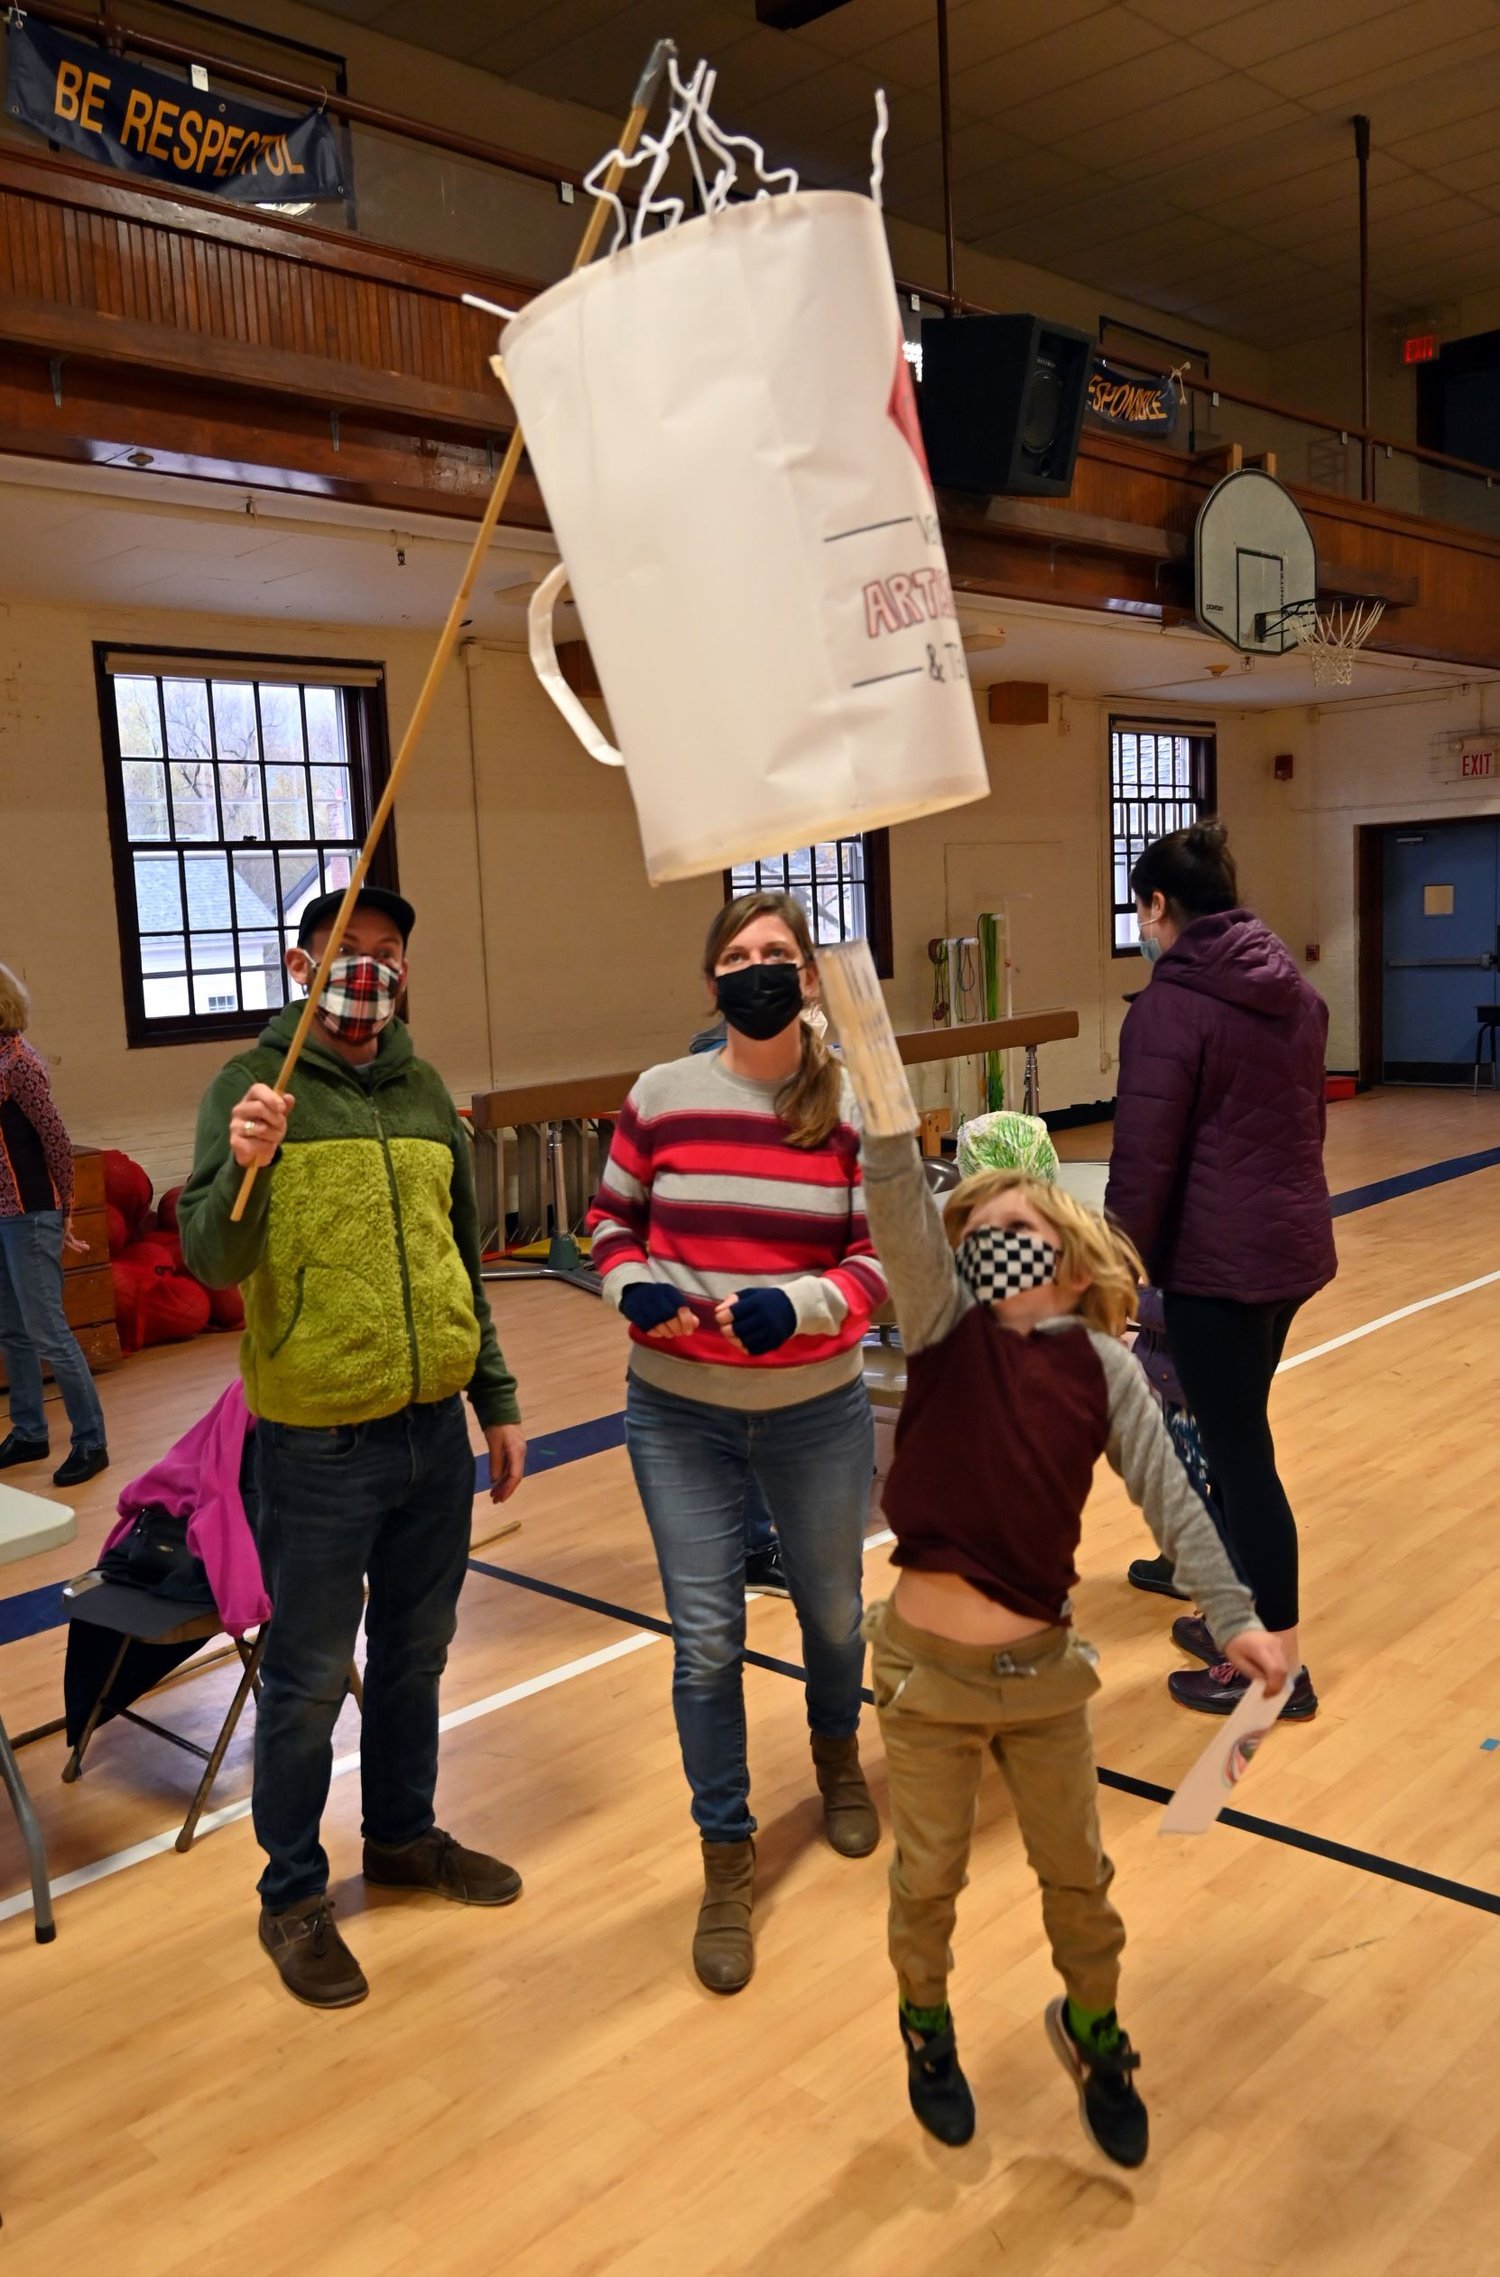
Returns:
<point x="723" y="1950"/>
<point x="314" y="1961"/>
<point x="849" y="1812"/>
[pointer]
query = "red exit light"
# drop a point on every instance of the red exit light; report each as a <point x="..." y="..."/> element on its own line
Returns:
<point x="1421" y="348"/>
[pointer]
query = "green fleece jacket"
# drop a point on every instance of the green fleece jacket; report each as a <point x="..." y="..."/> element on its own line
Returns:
<point x="358" y="1252"/>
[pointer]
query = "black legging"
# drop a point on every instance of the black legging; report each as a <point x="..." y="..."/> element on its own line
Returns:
<point x="1226" y="1355"/>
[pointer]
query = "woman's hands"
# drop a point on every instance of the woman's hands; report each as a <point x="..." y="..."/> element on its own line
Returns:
<point x="657" y="1309"/>
<point x="757" y="1320"/>
<point x="257" y="1125"/>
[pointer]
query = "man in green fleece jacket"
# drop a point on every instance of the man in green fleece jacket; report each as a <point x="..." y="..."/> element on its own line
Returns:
<point x="365" y="1322"/>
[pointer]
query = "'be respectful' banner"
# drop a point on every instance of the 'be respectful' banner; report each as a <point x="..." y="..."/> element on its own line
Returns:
<point x="120" y="114"/>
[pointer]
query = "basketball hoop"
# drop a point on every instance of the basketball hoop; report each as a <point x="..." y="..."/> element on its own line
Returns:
<point x="1334" y="637"/>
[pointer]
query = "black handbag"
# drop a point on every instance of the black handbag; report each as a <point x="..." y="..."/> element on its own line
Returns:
<point x="154" y="1555"/>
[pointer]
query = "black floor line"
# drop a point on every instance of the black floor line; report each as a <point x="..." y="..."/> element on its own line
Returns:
<point x="1295" y="1837"/>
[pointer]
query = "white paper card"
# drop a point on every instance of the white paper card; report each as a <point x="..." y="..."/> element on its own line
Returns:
<point x="1218" y="1770"/>
<point x="867" y="1041"/>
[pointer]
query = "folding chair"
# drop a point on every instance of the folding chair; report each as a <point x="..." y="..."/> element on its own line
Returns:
<point x="31" y="1836"/>
<point x="139" y="1617"/>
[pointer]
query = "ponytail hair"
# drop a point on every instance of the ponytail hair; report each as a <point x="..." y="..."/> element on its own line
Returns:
<point x="1193" y="870"/>
<point x="809" y="1102"/>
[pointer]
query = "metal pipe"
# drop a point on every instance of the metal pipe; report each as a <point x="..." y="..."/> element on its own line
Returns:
<point x="945" y="128"/>
<point x="1362" y="154"/>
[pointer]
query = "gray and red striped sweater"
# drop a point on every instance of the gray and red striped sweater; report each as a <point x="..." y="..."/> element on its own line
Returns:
<point x="704" y="1190"/>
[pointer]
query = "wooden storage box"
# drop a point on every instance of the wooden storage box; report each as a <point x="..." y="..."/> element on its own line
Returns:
<point x="88" y="1285"/>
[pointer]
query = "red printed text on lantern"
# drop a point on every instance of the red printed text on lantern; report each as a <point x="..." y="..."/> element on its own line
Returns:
<point x="918" y="597"/>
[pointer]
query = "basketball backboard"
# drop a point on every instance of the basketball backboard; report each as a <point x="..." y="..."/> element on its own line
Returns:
<point x="1254" y="564"/>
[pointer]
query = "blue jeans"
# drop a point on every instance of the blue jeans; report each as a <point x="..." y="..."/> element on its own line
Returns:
<point x="392" y="1500"/>
<point x="34" y="1329"/>
<point x="695" y="1468"/>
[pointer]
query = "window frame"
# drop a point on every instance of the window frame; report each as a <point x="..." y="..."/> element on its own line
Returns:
<point x="1204" y="798"/>
<point x="369" y="770"/>
<point x="877" y="885"/>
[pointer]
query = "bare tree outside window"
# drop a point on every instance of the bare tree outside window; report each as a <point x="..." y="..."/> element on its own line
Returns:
<point x="234" y="799"/>
<point x="843" y="885"/>
<point x="1161" y="778"/>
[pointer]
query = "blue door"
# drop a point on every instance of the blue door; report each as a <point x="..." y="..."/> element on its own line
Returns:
<point x="1442" y="930"/>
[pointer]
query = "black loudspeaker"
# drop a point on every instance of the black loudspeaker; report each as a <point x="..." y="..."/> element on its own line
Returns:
<point x="1002" y="401"/>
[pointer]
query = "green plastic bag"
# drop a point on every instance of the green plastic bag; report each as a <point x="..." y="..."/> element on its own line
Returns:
<point x="1007" y="1141"/>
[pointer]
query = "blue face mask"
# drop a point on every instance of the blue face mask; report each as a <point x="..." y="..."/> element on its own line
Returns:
<point x="1150" y="947"/>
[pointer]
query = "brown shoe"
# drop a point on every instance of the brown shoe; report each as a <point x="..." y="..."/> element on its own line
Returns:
<point x="723" y="1951"/>
<point x="436" y="1862"/>
<point x="849" y="1812"/>
<point x="315" y="1963"/>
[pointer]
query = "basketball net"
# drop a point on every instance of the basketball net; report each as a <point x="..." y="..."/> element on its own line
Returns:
<point x="1334" y="637"/>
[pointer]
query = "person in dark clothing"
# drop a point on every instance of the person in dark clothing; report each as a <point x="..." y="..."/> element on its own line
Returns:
<point x="36" y="1230"/>
<point x="1217" y="1177"/>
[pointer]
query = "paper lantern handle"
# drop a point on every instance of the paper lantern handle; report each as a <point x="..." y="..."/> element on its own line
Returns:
<point x="544" y="661"/>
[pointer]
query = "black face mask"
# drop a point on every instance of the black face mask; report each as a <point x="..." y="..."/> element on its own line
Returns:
<point x="760" y="1000"/>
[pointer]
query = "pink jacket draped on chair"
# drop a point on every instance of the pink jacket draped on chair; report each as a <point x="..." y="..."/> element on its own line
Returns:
<point x="199" y="1479"/>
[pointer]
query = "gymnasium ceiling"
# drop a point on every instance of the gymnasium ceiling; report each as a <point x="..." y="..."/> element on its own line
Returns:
<point x="1195" y="155"/>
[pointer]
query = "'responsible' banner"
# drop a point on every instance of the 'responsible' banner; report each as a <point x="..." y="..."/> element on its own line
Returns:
<point x="120" y="114"/>
<point x="1145" y="406"/>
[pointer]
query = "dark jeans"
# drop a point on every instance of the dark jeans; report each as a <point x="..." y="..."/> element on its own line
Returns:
<point x="393" y="1501"/>
<point x="695" y="1466"/>
<point x="1226" y="1355"/>
<point x="34" y="1330"/>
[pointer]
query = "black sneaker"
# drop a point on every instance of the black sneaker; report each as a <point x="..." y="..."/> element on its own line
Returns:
<point x="765" y="1575"/>
<point x="1192" y="1634"/>
<point x="83" y="1463"/>
<point x="15" y="1449"/>
<point x="1156" y="1576"/>
<point x="1113" y="2115"/>
<point x="939" y="2092"/>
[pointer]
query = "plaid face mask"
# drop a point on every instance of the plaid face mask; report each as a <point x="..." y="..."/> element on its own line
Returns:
<point x="1000" y="1261"/>
<point x="360" y="997"/>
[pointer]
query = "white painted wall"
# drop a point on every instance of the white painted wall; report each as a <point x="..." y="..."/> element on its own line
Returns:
<point x="541" y="950"/>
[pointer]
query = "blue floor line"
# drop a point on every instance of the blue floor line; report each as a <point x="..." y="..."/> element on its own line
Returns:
<point x="1414" y="1181"/>
<point x="31" y="1611"/>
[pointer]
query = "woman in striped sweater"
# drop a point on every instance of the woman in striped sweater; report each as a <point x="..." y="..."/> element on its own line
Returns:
<point x="730" y="1232"/>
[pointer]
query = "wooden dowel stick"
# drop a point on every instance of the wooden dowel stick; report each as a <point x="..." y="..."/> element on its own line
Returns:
<point x="644" y="96"/>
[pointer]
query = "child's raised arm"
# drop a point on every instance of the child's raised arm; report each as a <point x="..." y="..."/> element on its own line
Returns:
<point x="905" y="1226"/>
<point x="1141" y="1450"/>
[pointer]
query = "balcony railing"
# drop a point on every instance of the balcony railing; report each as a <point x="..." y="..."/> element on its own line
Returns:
<point x="417" y="187"/>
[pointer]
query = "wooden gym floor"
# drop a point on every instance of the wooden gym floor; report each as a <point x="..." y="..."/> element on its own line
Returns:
<point x="547" y="2091"/>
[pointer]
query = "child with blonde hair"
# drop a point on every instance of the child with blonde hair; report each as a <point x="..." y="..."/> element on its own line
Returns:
<point x="1011" y="1308"/>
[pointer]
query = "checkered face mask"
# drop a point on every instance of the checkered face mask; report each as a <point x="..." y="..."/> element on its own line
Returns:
<point x="997" y="1262"/>
<point x="360" y="998"/>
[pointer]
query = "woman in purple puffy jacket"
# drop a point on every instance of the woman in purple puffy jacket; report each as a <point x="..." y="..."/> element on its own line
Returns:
<point x="1217" y="1176"/>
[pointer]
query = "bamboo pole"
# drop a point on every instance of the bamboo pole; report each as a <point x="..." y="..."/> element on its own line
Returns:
<point x="645" y="95"/>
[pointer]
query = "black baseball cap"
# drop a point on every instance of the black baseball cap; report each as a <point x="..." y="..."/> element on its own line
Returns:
<point x="322" y="911"/>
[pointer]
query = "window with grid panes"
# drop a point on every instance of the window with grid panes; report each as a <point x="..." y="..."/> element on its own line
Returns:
<point x="238" y="789"/>
<point x="842" y="883"/>
<point x="1161" y="779"/>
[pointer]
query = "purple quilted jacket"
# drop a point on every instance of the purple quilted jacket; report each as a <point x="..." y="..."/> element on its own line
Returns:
<point x="1217" y="1167"/>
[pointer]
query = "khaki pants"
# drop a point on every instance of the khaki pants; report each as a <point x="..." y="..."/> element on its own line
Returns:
<point x="941" y="1705"/>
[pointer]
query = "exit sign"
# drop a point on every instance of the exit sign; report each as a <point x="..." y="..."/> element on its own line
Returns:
<point x="1478" y="765"/>
<point x="1420" y="348"/>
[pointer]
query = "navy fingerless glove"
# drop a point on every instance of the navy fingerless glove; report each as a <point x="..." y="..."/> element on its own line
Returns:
<point x="651" y="1304"/>
<point x="763" y="1319"/>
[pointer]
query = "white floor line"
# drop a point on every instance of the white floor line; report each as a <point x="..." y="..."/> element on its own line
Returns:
<point x="139" y="1852"/>
<point x="1387" y="1320"/>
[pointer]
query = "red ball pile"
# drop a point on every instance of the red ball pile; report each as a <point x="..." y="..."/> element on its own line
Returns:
<point x="157" y="1301"/>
